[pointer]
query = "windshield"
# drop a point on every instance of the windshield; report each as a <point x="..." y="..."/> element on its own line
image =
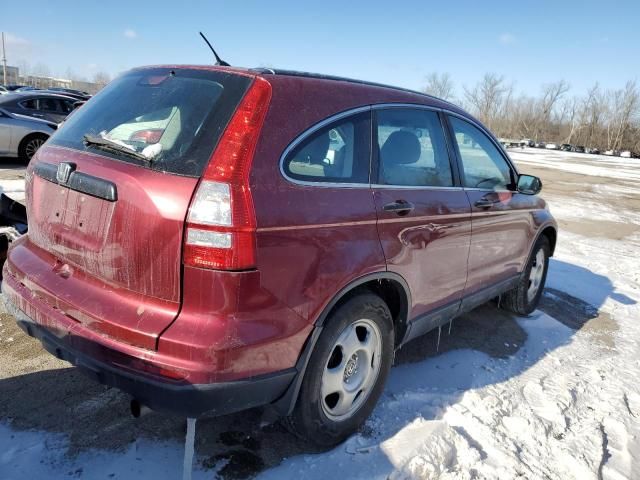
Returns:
<point x="171" y="118"/>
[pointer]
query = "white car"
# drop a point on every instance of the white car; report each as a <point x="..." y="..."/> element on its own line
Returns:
<point x="21" y="136"/>
<point x="626" y="154"/>
<point x="3" y="90"/>
<point x="551" y="146"/>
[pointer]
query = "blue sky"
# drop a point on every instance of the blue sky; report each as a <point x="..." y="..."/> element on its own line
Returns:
<point x="396" y="42"/>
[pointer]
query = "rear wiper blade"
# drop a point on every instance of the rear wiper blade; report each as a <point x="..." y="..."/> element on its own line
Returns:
<point x="107" y="144"/>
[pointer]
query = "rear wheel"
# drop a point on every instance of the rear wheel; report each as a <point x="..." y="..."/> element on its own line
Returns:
<point x="30" y="145"/>
<point x="347" y="371"/>
<point x="523" y="299"/>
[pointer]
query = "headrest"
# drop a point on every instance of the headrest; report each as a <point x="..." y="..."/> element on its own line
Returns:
<point x="402" y="147"/>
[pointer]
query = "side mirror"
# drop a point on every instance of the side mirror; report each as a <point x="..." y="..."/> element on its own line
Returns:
<point x="529" y="185"/>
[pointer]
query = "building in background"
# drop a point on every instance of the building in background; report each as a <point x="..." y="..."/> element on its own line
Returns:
<point x="13" y="74"/>
<point x="40" y="81"/>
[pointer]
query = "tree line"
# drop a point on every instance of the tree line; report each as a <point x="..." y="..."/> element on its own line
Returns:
<point x="607" y="119"/>
<point x="99" y="78"/>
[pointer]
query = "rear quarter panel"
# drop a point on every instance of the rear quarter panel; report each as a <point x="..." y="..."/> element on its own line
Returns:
<point x="312" y="240"/>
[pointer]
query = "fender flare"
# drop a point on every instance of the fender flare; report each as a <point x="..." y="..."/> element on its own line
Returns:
<point x="541" y="230"/>
<point x="285" y="405"/>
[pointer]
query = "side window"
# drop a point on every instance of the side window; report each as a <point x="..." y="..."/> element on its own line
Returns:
<point x="29" y="104"/>
<point x="412" y="148"/>
<point x="48" y="105"/>
<point x="337" y="153"/>
<point x="66" y="106"/>
<point x="483" y="165"/>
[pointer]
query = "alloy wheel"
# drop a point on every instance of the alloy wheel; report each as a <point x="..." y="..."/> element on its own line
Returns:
<point x="32" y="147"/>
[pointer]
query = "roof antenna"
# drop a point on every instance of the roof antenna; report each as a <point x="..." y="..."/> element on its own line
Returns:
<point x="219" y="61"/>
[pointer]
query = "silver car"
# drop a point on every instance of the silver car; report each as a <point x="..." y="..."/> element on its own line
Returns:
<point x="21" y="136"/>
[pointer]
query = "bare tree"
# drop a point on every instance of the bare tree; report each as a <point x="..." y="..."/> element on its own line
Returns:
<point x="101" y="79"/>
<point x="605" y="119"/>
<point x="440" y="85"/>
<point x="551" y="93"/>
<point x="626" y="104"/>
<point x="569" y="119"/>
<point x="41" y="69"/>
<point x="489" y="98"/>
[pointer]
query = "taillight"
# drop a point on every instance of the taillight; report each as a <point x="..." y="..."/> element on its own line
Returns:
<point x="221" y="223"/>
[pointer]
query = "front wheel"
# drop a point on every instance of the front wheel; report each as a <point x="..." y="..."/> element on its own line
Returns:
<point x="524" y="297"/>
<point x="347" y="371"/>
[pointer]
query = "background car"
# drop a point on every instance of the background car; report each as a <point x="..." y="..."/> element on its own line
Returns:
<point x="3" y="90"/>
<point x="46" y="106"/>
<point x="13" y="88"/>
<point x="70" y="92"/>
<point x="578" y="149"/>
<point x="566" y="147"/>
<point x="21" y="136"/>
<point x="66" y="94"/>
<point x="551" y="146"/>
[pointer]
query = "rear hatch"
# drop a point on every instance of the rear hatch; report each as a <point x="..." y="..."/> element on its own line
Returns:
<point x="107" y="197"/>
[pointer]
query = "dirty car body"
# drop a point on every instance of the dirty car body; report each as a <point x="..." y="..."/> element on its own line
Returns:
<point x="196" y="263"/>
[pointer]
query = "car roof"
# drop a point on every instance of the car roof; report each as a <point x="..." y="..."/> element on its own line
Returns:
<point x="16" y="96"/>
<point x="336" y="78"/>
<point x="411" y="96"/>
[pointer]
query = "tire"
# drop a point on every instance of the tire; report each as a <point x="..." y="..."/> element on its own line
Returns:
<point x="30" y="145"/>
<point x="353" y="354"/>
<point x="524" y="297"/>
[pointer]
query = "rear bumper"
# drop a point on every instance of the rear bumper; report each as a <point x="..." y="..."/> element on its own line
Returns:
<point x="186" y="399"/>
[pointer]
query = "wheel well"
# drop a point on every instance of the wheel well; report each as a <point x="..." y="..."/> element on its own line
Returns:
<point x="393" y="294"/>
<point x="551" y="235"/>
<point x="29" y="137"/>
<point x="393" y="291"/>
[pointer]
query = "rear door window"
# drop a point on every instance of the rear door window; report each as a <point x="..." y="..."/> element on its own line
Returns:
<point x="48" y="105"/>
<point x="29" y="104"/>
<point x="336" y="153"/>
<point x="180" y="113"/>
<point x="412" y="148"/>
<point x="66" y="106"/>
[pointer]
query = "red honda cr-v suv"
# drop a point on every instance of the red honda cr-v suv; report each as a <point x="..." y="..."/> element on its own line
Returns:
<point x="212" y="239"/>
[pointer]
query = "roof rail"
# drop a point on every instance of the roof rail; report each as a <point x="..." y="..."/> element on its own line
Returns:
<point x="321" y="76"/>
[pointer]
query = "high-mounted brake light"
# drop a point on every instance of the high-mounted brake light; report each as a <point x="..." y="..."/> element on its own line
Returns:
<point x="221" y="223"/>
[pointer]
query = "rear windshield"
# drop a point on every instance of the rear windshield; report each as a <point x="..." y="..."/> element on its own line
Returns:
<point x="173" y="118"/>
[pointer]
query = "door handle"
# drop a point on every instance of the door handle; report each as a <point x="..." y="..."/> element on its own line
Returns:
<point x="401" y="207"/>
<point x="485" y="203"/>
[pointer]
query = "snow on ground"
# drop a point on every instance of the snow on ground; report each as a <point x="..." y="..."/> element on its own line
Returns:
<point x="13" y="189"/>
<point x="586" y="164"/>
<point x="565" y="405"/>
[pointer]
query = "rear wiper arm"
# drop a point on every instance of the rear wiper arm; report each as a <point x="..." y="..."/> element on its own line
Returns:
<point x="107" y="144"/>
